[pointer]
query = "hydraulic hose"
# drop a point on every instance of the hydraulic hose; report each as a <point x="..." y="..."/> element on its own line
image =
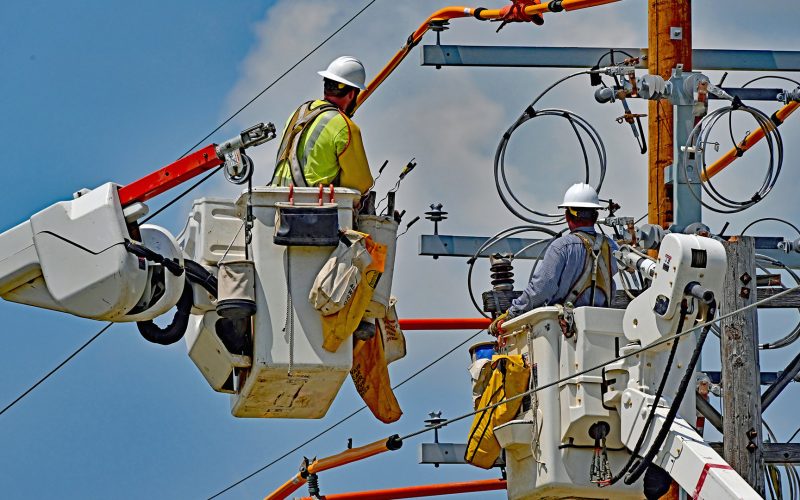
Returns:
<point x="688" y="377"/>
<point x="199" y="275"/>
<point x="654" y="406"/>
<point x="175" y="330"/>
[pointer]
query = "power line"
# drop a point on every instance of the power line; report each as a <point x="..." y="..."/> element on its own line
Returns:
<point x="348" y="417"/>
<point x="184" y="193"/>
<point x="292" y="67"/>
<point x="51" y="372"/>
<point x="604" y="364"/>
<point x="251" y="101"/>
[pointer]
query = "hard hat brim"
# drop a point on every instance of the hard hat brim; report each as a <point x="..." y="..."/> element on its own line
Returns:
<point x="581" y="204"/>
<point x="336" y="78"/>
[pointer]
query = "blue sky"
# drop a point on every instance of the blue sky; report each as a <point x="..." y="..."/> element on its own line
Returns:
<point x="95" y="92"/>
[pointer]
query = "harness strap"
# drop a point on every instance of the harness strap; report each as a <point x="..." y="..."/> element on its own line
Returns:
<point x="300" y="121"/>
<point x="594" y="275"/>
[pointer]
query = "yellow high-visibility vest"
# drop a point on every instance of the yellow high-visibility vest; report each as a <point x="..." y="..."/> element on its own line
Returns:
<point x="327" y="149"/>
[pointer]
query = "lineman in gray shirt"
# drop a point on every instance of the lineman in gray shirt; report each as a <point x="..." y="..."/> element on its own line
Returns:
<point x="577" y="267"/>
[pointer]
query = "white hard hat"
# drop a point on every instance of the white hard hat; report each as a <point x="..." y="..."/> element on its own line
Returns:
<point x="347" y="70"/>
<point x="581" y="195"/>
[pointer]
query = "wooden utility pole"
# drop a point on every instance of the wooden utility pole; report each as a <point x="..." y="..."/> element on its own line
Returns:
<point x="669" y="39"/>
<point x="741" y="399"/>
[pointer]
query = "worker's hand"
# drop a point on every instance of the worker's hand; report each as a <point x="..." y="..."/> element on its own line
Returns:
<point x="496" y="328"/>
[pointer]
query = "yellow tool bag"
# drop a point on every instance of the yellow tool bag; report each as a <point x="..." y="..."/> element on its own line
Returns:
<point x="510" y="377"/>
<point x="370" y="375"/>
<point x="339" y="326"/>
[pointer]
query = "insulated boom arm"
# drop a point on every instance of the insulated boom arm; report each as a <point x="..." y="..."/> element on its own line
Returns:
<point x="442" y="16"/>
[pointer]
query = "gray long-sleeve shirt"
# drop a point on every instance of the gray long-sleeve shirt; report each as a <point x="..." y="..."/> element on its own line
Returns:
<point x="558" y="270"/>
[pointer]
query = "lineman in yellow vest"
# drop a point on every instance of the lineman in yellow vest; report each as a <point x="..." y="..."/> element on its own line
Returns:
<point x="321" y="145"/>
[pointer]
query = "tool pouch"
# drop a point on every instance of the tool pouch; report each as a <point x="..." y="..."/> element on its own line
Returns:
<point x="306" y="225"/>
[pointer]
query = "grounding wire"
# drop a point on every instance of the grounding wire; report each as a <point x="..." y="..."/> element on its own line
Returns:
<point x="498" y="237"/>
<point x="795" y="333"/>
<point x="611" y="52"/>
<point x="774" y="77"/>
<point x="51" y="372"/>
<point x="699" y="136"/>
<point x="282" y="75"/>
<point x="776" y="219"/>
<point x="349" y="416"/>
<point x="599" y="366"/>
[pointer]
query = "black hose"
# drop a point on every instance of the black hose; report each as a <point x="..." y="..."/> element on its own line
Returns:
<point x="199" y="275"/>
<point x="688" y="376"/>
<point x="656" y="400"/>
<point x="175" y="330"/>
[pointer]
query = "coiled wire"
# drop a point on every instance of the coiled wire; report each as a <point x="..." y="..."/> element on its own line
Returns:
<point x="500" y="236"/>
<point x="579" y="126"/>
<point x="700" y="136"/>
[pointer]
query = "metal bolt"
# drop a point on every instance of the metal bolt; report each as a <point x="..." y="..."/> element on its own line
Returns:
<point x="745" y="278"/>
<point x="675" y="33"/>
<point x="751" y="447"/>
<point x="752" y="434"/>
<point x="745" y="292"/>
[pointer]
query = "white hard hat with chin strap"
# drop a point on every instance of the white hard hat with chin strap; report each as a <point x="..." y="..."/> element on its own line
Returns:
<point x="347" y="70"/>
<point x="581" y="195"/>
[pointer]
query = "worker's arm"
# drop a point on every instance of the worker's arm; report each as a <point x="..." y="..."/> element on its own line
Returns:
<point x="544" y="284"/>
<point x="352" y="159"/>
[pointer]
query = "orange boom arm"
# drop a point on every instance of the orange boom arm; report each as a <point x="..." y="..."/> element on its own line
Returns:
<point x="446" y="14"/>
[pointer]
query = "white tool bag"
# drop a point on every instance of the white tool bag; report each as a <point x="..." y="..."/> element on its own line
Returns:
<point x="394" y="342"/>
<point x="341" y="274"/>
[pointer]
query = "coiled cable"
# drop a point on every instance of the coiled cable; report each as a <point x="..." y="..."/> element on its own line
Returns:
<point x="700" y="136"/>
<point x="493" y="240"/>
<point x="580" y="126"/>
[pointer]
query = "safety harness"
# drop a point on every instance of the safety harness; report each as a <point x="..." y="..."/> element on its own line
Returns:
<point x="596" y="269"/>
<point x="302" y="118"/>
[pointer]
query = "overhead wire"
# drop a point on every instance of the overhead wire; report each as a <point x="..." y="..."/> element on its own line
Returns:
<point x="634" y="352"/>
<point x="794" y="334"/>
<point x="252" y="100"/>
<point x="58" y="367"/>
<point x="282" y="75"/>
<point x="346" y="418"/>
<point x="774" y="77"/>
<point x="776" y="219"/>
<point x="195" y="185"/>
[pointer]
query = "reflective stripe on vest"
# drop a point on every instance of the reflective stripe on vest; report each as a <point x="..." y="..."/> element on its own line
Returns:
<point x="302" y="118"/>
<point x="596" y="272"/>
